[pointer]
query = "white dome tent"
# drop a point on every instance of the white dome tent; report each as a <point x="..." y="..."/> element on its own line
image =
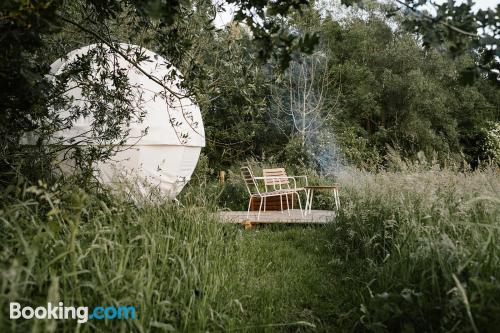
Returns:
<point x="164" y="147"/>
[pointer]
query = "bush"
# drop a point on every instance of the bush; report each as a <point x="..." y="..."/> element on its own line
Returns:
<point x="492" y="141"/>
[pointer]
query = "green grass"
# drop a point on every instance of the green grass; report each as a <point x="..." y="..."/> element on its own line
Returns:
<point x="415" y="251"/>
<point x="83" y="251"/>
<point x="284" y="280"/>
<point x="182" y="268"/>
<point x="420" y="251"/>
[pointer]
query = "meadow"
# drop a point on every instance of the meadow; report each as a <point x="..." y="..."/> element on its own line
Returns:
<point x="407" y="91"/>
<point x="410" y="251"/>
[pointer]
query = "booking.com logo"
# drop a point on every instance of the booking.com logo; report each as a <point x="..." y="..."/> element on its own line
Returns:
<point x="80" y="313"/>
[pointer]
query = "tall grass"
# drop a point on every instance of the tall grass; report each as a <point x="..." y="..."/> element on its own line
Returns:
<point x="420" y="251"/>
<point x="410" y="251"/>
<point x="65" y="245"/>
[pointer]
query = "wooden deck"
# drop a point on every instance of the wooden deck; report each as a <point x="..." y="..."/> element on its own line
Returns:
<point x="277" y="217"/>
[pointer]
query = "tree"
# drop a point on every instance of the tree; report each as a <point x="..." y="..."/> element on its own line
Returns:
<point x="396" y="93"/>
<point x="299" y="100"/>
<point x="456" y="27"/>
<point x="32" y="33"/>
<point x="302" y="96"/>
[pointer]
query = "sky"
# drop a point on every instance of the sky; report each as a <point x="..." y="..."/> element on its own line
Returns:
<point x="224" y="18"/>
<point x="479" y="4"/>
<point x="483" y="4"/>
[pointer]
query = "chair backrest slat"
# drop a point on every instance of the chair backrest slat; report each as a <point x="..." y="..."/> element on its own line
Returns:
<point x="275" y="176"/>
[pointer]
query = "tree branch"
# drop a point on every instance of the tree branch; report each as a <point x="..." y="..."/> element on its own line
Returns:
<point x="450" y="26"/>
<point x="132" y="62"/>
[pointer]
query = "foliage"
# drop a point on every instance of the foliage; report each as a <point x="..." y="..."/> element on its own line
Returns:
<point x="492" y="141"/>
<point x="379" y="90"/>
<point x="34" y="34"/>
<point x="396" y="94"/>
<point x="236" y="118"/>
<point x="456" y="27"/>
<point x="419" y="250"/>
<point x="412" y="251"/>
<point x="60" y="243"/>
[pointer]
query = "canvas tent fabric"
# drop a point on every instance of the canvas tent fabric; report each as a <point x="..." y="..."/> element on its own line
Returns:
<point x="163" y="148"/>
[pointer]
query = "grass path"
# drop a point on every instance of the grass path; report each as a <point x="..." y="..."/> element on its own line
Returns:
<point x="284" y="280"/>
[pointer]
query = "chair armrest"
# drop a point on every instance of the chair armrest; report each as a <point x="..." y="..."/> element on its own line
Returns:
<point x="305" y="177"/>
<point x="287" y="177"/>
<point x="272" y="178"/>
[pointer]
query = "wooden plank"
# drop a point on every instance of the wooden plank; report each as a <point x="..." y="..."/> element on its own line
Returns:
<point x="295" y="217"/>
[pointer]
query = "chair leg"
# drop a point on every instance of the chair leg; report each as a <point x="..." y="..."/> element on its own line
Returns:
<point x="307" y="201"/>
<point x="248" y="210"/>
<point x="305" y="193"/>
<point x="311" y="194"/>
<point x="281" y="203"/>
<point x="305" y="208"/>
<point x="265" y="203"/>
<point x="337" y="199"/>
<point x="260" y="207"/>
<point x="300" y="204"/>
<point x="287" y="204"/>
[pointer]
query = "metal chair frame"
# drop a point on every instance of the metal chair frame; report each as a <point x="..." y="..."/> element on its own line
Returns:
<point x="254" y="192"/>
<point x="278" y="176"/>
